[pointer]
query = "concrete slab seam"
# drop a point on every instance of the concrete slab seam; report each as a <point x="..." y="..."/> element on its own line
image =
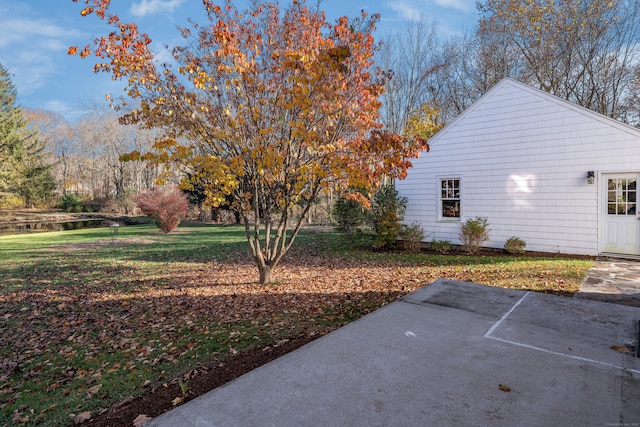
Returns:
<point x="570" y="356"/>
<point x="504" y="317"/>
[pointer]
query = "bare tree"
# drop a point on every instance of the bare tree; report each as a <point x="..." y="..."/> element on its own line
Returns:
<point x="86" y="154"/>
<point x="412" y="56"/>
<point x="582" y="51"/>
<point x="103" y="140"/>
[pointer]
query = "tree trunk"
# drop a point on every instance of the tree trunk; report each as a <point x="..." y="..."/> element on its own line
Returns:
<point x="215" y="214"/>
<point x="265" y="274"/>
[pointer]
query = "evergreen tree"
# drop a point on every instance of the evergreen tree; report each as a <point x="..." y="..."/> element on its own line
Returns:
<point x="24" y="177"/>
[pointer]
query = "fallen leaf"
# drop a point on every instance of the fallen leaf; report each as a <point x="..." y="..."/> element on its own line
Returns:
<point x="124" y="402"/>
<point x="620" y="348"/>
<point x="504" y="387"/>
<point x="177" y="401"/>
<point x="141" y="420"/>
<point x="19" y="418"/>
<point x="93" y="391"/>
<point x="50" y="408"/>
<point x="82" y="417"/>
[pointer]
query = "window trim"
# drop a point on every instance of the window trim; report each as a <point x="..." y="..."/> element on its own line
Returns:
<point x="440" y="199"/>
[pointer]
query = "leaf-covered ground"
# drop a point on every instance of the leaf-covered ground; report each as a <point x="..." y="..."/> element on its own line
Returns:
<point x="89" y="320"/>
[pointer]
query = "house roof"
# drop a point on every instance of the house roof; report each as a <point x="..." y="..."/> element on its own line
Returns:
<point x="507" y="81"/>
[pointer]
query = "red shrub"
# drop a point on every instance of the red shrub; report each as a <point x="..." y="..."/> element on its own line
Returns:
<point x="167" y="205"/>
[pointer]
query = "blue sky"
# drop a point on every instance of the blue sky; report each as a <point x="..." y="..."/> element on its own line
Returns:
<point x="35" y="36"/>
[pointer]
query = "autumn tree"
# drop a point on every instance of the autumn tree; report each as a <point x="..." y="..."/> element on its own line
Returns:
<point x="268" y="108"/>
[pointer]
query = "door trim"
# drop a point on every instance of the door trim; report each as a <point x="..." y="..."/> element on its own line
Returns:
<point x="601" y="180"/>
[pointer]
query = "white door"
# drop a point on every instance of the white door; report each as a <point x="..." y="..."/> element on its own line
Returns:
<point x="621" y="225"/>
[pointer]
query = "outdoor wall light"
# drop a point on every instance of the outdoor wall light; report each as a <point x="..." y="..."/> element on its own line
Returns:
<point x="591" y="177"/>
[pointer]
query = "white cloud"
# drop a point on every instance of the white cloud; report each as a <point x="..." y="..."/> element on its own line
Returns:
<point x="29" y="47"/>
<point x="413" y="10"/>
<point x="60" y="107"/>
<point x="405" y="11"/>
<point x="148" y="7"/>
<point x="24" y="30"/>
<point x="463" y="5"/>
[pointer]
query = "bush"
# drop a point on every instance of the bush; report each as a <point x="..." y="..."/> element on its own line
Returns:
<point x="71" y="203"/>
<point x="166" y="205"/>
<point x="11" y="201"/>
<point x="441" y="246"/>
<point x="348" y="214"/>
<point x="515" y="245"/>
<point x="412" y="236"/>
<point x="386" y="213"/>
<point x="473" y="233"/>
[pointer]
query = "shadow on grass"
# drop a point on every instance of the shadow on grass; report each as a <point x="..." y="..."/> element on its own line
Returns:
<point x="56" y="350"/>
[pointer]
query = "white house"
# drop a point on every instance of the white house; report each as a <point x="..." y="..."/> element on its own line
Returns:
<point x="557" y="175"/>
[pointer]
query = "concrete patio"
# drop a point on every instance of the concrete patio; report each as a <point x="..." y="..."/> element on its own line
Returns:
<point x="451" y="353"/>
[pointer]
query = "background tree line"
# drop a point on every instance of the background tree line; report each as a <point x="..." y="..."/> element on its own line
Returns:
<point x="44" y="157"/>
<point x="583" y="51"/>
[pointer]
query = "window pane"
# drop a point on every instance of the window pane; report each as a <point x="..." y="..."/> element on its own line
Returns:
<point x="450" y="209"/>
<point x="622" y="196"/>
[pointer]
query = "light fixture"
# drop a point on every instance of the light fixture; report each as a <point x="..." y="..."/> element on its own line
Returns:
<point x="591" y="177"/>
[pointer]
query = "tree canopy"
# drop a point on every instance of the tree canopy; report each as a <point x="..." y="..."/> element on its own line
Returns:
<point x="24" y="178"/>
<point x="582" y="51"/>
<point x="586" y="52"/>
<point x="265" y="109"/>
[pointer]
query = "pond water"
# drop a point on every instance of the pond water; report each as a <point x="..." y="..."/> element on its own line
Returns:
<point x="39" y="227"/>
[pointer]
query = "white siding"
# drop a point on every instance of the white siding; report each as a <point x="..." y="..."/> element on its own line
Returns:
<point x="522" y="156"/>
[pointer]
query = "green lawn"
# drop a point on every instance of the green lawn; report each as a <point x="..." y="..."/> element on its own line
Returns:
<point x="88" y="318"/>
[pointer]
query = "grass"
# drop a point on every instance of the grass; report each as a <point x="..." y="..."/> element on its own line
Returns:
<point x="88" y="318"/>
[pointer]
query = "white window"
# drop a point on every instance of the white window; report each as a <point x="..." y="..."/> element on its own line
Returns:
<point x="450" y="198"/>
<point x="621" y="196"/>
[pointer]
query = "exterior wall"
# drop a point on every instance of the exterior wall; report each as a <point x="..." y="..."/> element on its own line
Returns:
<point x="522" y="156"/>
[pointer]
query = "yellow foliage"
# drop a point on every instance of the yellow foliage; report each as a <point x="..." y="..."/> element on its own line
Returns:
<point x="214" y="175"/>
<point x="422" y="123"/>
